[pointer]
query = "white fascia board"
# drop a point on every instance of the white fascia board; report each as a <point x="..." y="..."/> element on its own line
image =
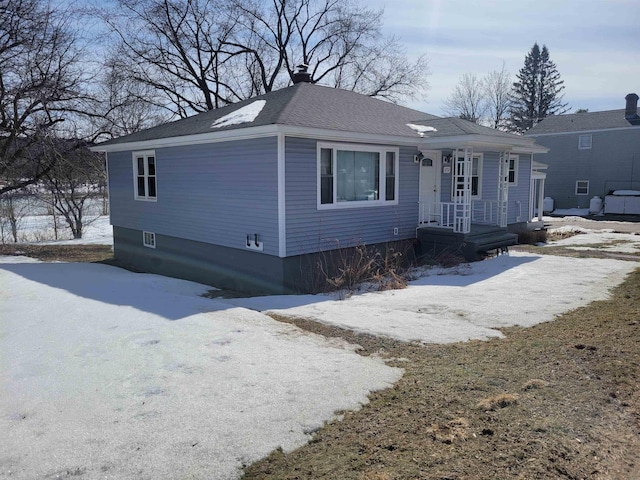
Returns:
<point x="347" y="136"/>
<point x="580" y="132"/>
<point x="209" y="137"/>
<point x="259" y="132"/>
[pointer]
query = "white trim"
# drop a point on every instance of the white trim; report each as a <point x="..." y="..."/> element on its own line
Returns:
<point x="520" y="145"/>
<point x="152" y="236"/>
<point x="480" y="175"/>
<point x="582" y="181"/>
<point x="282" y="210"/>
<point x="106" y="166"/>
<point x="134" y="159"/>
<point x="382" y="169"/>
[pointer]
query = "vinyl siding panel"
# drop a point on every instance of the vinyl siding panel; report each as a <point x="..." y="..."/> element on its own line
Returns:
<point x="214" y="193"/>
<point x="310" y="229"/>
<point x="612" y="163"/>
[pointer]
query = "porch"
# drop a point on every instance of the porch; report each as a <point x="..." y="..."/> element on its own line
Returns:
<point x="466" y="223"/>
<point x="480" y="239"/>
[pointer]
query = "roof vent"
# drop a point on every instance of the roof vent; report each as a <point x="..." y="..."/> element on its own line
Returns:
<point x="631" y="109"/>
<point x="301" y="75"/>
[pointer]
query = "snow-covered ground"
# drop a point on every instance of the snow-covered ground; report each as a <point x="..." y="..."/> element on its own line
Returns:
<point x="115" y="375"/>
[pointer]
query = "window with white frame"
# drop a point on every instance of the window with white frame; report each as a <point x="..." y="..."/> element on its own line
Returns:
<point x="582" y="187"/>
<point x="144" y="173"/>
<point x="149" y="239"/>
<point x="584" y="142"/>
<point x="513" y="170"/>
<point x="356" y="175"/>
<point x="476" y="178"/>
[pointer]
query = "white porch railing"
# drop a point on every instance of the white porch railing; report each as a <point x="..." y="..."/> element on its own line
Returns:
<point x="442" y="214"/>
<point x="485" y="212"/>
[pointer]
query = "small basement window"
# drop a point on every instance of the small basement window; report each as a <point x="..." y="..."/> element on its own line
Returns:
<point x="582" y="187"/>
<point x="584" y="142"/>
<point x="149" y="239"/>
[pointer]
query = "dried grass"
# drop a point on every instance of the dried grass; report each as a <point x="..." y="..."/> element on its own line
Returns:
<point x="496" y="402"/>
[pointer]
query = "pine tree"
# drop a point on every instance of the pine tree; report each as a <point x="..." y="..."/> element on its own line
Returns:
<point x="537" y="93"/>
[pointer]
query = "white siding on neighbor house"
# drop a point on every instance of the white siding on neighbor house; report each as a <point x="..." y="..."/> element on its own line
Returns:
<point x="309" y="229"/>
<point x="214" y="193"/>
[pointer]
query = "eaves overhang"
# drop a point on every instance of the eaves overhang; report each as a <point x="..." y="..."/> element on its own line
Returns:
<point x="260" y="132"/>
<point x="483" y="143"/>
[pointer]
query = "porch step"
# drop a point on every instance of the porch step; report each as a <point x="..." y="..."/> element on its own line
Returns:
<point x="481" y="239"/>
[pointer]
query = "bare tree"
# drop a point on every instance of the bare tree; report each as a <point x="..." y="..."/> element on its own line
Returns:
<point x="126" y="106"/>
<point x="40" y="86"/>
<point x="468" y="99"/>
<point x="14" y="206"/>
<point x="74" y="181"/>
<point x="204" y="54"/>
<point x="497" y="89"/>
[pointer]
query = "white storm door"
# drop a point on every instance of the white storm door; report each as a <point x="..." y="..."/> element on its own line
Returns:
<point x="430" y="186"/>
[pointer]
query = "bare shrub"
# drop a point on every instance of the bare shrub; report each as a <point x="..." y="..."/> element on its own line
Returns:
<point x="532" y="237"/>
<point x="348" y="269"/>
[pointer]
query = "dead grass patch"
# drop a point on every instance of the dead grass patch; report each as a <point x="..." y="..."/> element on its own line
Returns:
<point x="60" y="253"/>
<point x="501" y="400"/>
<point x="577" y="413"/>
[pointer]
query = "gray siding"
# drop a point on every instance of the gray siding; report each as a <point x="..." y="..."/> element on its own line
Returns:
<point x="612" y="163"/>
<point x="222" y="267"/>
<point x="310" y="229"/>
<point x="214" y="193"/>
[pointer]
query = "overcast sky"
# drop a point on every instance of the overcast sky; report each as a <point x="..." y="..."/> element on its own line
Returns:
<point x="595" y="44"/>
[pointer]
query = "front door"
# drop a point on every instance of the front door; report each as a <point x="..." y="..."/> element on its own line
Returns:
<point x="430" y="186"/>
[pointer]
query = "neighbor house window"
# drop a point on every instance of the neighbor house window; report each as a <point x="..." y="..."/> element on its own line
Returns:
<point x="149" y="239"/>
<point x="356" y="175"/>
<point x="476" y="177"/>
<point x="582" y="187"/>
<point x="584" y="142"/>
<point x="144" y="172"/>
<point x="513" y="170"/>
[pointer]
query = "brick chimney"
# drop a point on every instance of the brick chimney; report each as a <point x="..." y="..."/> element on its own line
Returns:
<point x="302" y="76"/>
<point x="631" y="109"/>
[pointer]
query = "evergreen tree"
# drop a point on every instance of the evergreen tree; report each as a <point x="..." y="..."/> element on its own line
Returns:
<point x="537" y="92"/>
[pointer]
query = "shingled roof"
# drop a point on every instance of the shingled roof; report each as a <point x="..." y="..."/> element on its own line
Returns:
<point x="301" y="105"/>
<point x="581" y="122"/>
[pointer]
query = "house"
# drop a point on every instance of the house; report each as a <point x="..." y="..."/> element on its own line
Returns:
<point x="247" y="196"/>
<point x="592" y="154"/>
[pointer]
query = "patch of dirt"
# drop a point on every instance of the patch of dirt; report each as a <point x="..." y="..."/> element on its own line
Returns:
<point x="60" y="253"/>
<point x="558" y="400"/>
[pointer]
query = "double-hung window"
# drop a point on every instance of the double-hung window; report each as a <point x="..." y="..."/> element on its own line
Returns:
<point x="476" y="178"/>
<point x="582" y="187"/>
<point x="513" y="170"/>
<point x="144" y="173"/>
<point x="356" y="175"/>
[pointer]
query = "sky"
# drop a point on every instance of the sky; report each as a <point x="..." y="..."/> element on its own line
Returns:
<point x="594" y="43"/>
<point x="128" y="375"/>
